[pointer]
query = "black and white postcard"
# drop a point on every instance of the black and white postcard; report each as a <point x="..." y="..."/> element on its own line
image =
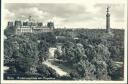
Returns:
<point x="64" y="41"/>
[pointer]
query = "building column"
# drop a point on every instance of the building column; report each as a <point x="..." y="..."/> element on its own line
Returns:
<point x="108" y="20"/>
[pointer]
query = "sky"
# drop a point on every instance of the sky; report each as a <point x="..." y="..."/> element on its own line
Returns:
<point x="67" y="15"/>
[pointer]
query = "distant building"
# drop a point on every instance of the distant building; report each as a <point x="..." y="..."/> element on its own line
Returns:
<point x="31" y="26"/>
<point x="50" y="25"/>
<point x="10" y="24"/>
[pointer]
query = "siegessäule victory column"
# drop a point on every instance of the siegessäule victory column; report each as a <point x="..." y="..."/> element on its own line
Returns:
<point x="108" y="29"/>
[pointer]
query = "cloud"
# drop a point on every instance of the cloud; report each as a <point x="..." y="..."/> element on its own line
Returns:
<point x="58" y="21"/>
<point x="9" y="15"/>
<point x="34" y="12"/>
<point x="68" y="14"/>
<point x="116" y="10"/>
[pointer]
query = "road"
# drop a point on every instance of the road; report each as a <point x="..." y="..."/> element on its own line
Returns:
<point x="56" y="68"/>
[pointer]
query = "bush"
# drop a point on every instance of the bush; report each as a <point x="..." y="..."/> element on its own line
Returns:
<point x="46" y="71"/>
<point x="74" y="75"/>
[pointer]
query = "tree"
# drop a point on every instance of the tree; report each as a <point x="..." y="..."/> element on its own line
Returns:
<point x="46" y="71"/>
<point x="43" y="50"/>
<point x="9" y="31"/>
<point x="24" y="53"/>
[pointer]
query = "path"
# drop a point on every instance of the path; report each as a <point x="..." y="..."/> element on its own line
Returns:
<point x="56" y="68"/>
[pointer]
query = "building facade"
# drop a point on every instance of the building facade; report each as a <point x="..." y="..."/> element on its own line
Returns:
<point x="31" y="26"/>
